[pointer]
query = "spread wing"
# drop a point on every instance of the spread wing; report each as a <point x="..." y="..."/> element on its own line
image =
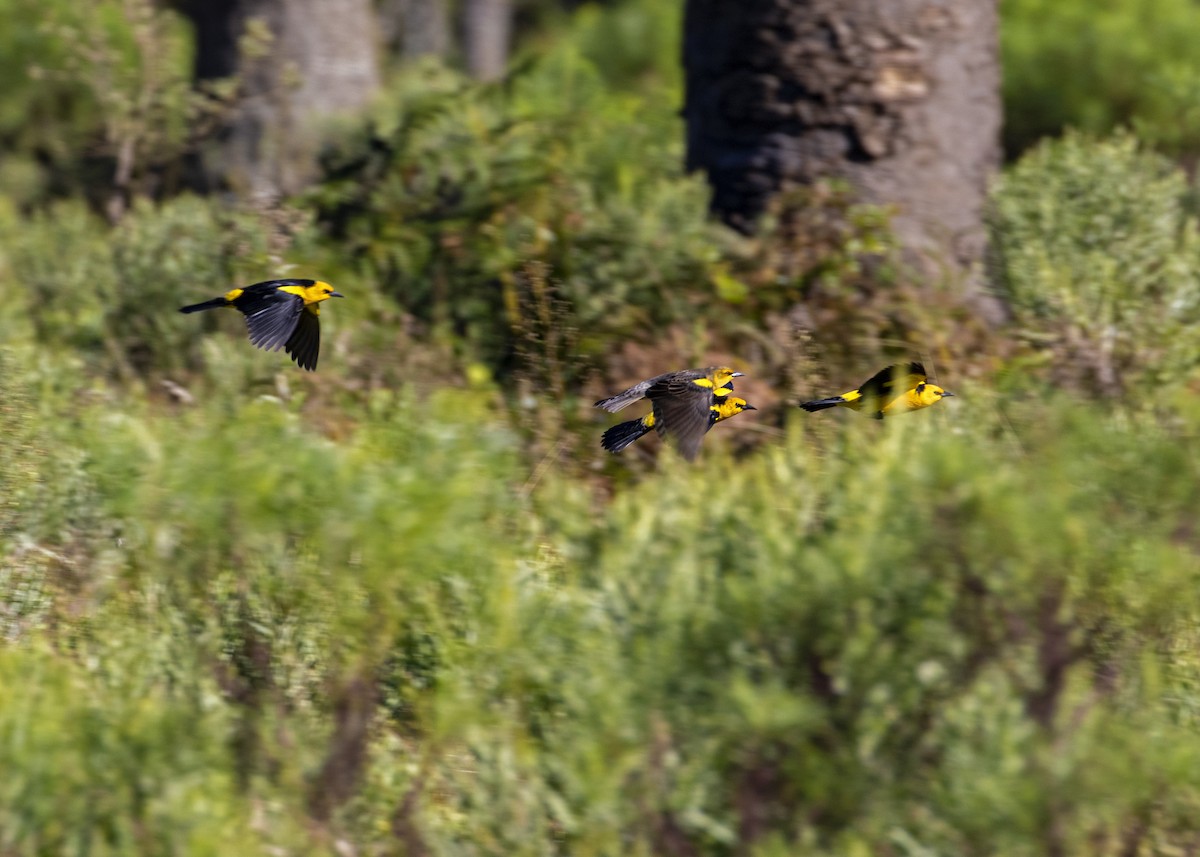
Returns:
<point x="682" y="410"/>
<point x="272" y="318"/>
<point x="305" y="341"/>
<point x="642" y="389"/>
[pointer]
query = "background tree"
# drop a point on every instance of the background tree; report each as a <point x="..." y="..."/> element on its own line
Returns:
<point x="417" y="28"/>
<point x="487" y="26"/>
<point x="312" y="59"/>
<point x="901" y="99"/>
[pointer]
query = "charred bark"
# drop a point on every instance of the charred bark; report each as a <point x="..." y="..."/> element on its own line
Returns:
<point x="901" y="99"/>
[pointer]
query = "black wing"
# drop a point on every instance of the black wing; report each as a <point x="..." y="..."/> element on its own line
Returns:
<point x="682" y="410"/>
<point x="642" y="389"/>
<point x="893" y="380"/>
<point x="272" y="318"/>
<point x="305" y="341"/>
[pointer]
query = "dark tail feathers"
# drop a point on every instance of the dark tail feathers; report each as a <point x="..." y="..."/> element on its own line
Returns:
<point x="621" y="435"/>
<point x="215" y="302"/>
<point x="822" y="404"/>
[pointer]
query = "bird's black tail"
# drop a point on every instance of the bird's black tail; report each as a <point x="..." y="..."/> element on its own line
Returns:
<point x="215" y="302"/>
<point x="822" y="404"/>
<point x="621" y="435"/>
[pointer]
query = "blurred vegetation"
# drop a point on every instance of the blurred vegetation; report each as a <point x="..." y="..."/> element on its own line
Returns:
<point x="391" y="635"/>
<point x="99" y="101"/>
<point x="1097" y="66"/>
<point x="1100" y="261"/>
<point x="407" y="605"/>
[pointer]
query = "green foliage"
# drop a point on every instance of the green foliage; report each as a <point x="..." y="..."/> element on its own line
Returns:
<point x="828" y="638"/>
<point x="632" y="41"/>
<point x="98" y="97"/>
<point x="984" y="646"/>
<point x="111" y="764"/>
<point x="360" y="611"/>
<point x="535" y="224"/>
<point x="112" y="294"/>
<point x="450" y="197"/>
<point x="1096" y="66"/>
<point x="45" y="120"/>
<point x="1100" y="261"/>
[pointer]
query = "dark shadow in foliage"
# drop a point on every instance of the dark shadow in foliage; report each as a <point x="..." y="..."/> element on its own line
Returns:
<point x="404" y="820"/>
<point x="411" y="670"/>
<point x="246" y="680"/>
<point x="336" y="781"/>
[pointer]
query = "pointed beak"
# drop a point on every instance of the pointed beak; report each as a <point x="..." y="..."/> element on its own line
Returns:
<point x="749" y="408"/>
<point x="336" y="295"/>
<point x="737" y="375"/>
<point x="946" y="393"/>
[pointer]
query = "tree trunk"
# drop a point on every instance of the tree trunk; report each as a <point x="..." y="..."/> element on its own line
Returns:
<point x="901" y="98"/>
<point x="322" y="60"/>
<point x="487" y="25"/>
<point x="420" y="27"/>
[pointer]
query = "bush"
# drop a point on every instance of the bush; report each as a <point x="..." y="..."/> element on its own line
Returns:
<point x="536" y="225"/>
<point x="1112" y="64"/>
<point x="111" y="764"/>
<point x="87" y="85"/>
<point x="952" y="630"/>
<point x="449" y="201"/>
<point x="112" y="293"/>
<point x="1100" y="261"/>
<point x="837" y="651"/>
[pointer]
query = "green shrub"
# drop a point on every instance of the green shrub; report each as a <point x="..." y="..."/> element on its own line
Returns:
<point x="1099" y="66"/>
<point x="535" y="225"/>
<point x="120" y="767"/>
<point x="1100" y="261"/>
<point x="451" y="198"/>
<point x="632" y="42"/>
<point x="89" y="85"/>
<point x="45" y="119"/>
<point x="112" y="293"/>
<point x="954" y="630"/>
<point x="874" y="646"/>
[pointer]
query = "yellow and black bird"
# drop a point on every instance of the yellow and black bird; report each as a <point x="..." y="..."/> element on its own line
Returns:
<point x="895" y="390"/>
<point x="621" y="435"/>
<point x="684" y="381"/>
<point x="280" y="314"/>
<point x="682" y="403"/>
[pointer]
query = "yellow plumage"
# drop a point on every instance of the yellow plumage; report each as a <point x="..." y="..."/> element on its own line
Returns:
<point x="897" y="389"/>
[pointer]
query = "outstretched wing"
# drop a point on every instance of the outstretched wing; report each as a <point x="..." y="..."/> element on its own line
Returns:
<point x="683" y="411"/>
<point x="272" y="318"/>
<point x="305" y="341"/>
<point x="642" y="389"/>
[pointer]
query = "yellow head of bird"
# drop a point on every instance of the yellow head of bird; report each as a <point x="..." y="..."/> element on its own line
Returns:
<point x="723" y="376"/>
<point x="320" y="291"/>
<point x="730" y="407"/>
<point x="929" y="394"/>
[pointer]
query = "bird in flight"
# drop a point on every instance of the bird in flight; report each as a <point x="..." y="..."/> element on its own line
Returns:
<point x="280" y="314"/>
<point x="682" y="405"/>
<point x="897" y="389"/>
<point x="621" y="435"/>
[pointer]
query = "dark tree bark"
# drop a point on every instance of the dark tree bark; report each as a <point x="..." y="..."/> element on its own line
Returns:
<point x="899" y="97"/>
<point x="322" y="60"/>
<point x="487" y="28"/>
